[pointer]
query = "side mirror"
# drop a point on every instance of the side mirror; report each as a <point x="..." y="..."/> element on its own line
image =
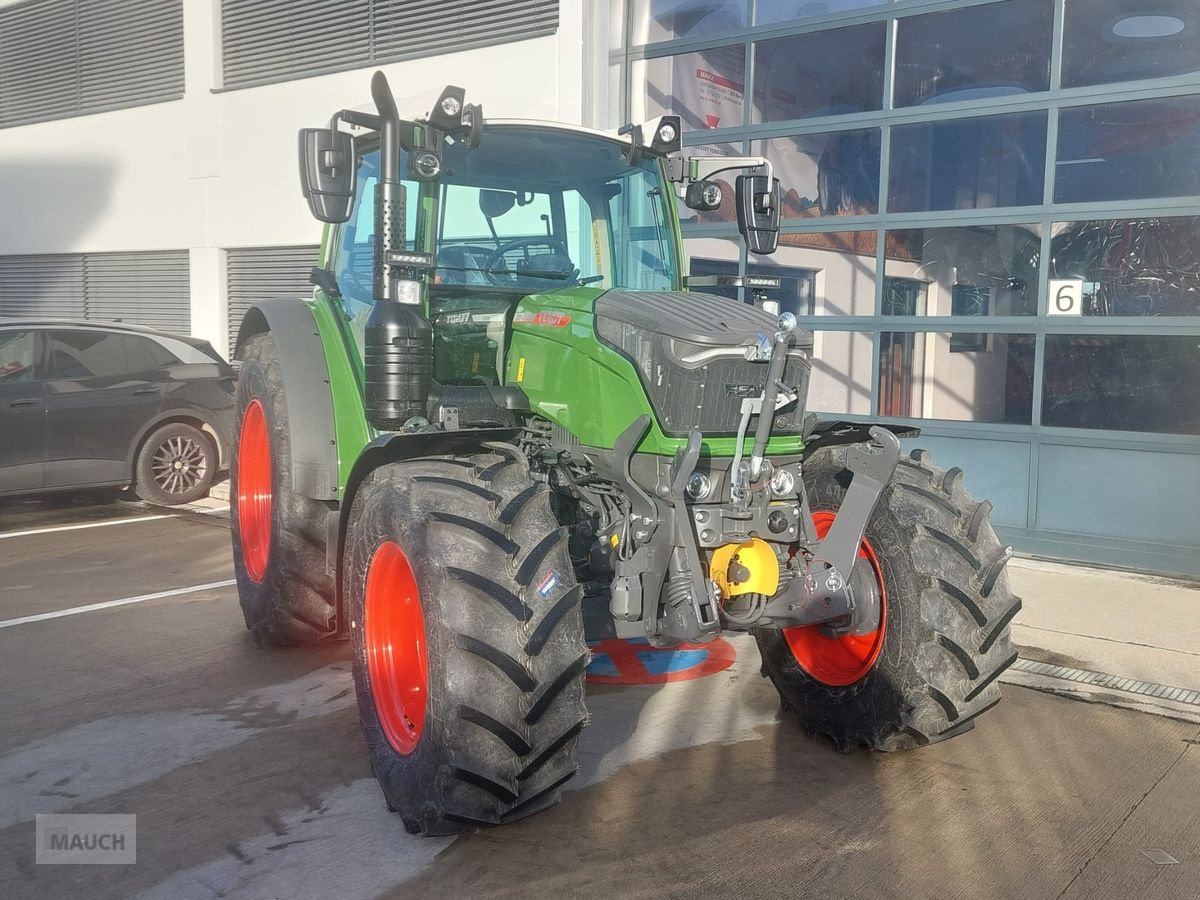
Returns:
<point x="494" y="204"/>
<point x="703" y="196"/>
<point x="327" y="173"/>
<point x="758" y="212"/>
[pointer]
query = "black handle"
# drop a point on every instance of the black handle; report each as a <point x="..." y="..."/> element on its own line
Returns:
<point x="17" y="403"/>
<point x="142" y="391"/>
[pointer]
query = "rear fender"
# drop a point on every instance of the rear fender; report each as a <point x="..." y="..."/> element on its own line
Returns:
<point x="306" y="389"/>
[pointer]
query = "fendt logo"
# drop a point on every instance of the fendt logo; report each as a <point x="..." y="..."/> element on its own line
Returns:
<point x="743" y="390"/>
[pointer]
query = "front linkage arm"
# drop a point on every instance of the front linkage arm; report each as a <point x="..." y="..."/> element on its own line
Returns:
<point x="826" y="593"/>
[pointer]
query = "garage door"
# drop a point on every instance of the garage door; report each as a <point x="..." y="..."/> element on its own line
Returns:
<point x="258" y="273"/>
<point x="145" y="288"/>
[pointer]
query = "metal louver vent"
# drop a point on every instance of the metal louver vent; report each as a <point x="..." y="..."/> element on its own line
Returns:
<point x="259" y="273"/>
<point x="265" y="41"/>
<point x="143" y="288"/>
<point x="61" y="58"/>
<point x="150" y="288"/>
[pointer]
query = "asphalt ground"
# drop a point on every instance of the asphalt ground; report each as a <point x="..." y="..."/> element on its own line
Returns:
<point x="247" y="773"/>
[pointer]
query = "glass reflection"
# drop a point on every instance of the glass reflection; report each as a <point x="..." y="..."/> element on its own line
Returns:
<point x="1123" y="382"/>
<point x="806" y="74"/>
<point x="824" y="273"/>
<point x="664" y="20"/>
<point x="705" y="87"/>
<point x="1131" y="267"/>
<point x="952" y="56"/>
<point x="1127" y="151"/>
<point x="1105" y="41"/>
<point x="973" y="270"/>
<point x="972" y="163"/>
<point x="772" y="11"/>
<point x="841" y="373"/>
<point x="830" y="174"/>
<point x="964" y="378"/>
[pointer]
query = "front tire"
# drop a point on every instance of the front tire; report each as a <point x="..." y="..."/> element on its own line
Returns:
<point x="279" y="536"/>
<point x="468" y="642"/>
<point x="944" y="636"/>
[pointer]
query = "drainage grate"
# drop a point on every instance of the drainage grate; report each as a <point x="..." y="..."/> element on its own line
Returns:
<point x="1111" y="682"/>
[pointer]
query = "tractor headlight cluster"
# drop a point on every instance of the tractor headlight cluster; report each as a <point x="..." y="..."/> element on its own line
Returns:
<point x="667" y="133"/>
<point x="451" y="106"/>
<point x="783" y="483"/>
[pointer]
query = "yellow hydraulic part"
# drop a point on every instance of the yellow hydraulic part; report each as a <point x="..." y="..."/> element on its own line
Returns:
<point x="749" y="568"/>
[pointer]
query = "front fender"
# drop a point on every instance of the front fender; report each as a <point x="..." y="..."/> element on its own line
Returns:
<point x="306" y="391"/>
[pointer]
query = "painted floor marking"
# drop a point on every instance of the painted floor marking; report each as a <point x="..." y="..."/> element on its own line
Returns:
<point x="128" y="521"/>
<point x="108" y="604"/>
<point x="1110" y="682"/>
<point x="616" y="661"/>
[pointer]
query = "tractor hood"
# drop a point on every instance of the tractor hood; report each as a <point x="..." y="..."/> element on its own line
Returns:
<point x="697" y="318"/>
<point x="690" y="351"/>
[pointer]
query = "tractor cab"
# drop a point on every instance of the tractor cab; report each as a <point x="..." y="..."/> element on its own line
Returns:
<point x="535" y="209"/>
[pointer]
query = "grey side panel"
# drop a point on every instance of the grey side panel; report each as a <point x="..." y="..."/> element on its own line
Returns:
<point x="306" y="387"/>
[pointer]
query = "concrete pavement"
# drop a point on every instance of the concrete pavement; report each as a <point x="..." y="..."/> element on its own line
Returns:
<point x="246" y="769"/>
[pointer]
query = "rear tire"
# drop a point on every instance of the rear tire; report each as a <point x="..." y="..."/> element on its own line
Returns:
<point x="946" y="614"/>
<point x="175" y="465"/>
<point x="496" y="705"/>
<point x="279" y="536"/>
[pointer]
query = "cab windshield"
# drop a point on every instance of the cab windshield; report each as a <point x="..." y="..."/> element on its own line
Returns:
<point x="541" y="208"/>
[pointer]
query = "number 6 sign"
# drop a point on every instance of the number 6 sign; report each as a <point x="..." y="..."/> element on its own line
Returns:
<point x="1065" y="297"/>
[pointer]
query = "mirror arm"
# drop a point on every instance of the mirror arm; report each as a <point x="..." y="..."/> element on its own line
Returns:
<point x="684" y="170"/>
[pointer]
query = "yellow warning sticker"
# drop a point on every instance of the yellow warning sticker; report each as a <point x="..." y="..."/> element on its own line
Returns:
<point x="521" y="370"/>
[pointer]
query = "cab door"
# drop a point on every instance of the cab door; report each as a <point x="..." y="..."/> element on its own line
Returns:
<point x="96" y="405"/>
<point x="22" y="412"/>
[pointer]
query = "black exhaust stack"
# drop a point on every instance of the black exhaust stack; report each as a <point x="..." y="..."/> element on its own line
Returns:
<point x="398" y="340"/>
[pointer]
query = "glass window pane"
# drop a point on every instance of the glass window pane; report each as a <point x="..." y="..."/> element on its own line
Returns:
<point x="977" y="163"/>
<point x="1123" y="382"/>
<point x="829" y="174"/>
<point x="704" y="87"/>
<point x="961" y="377"/>
<point x="714" y="256"/>
<point x="84" y="354"/>
<point x="973" y="270"/>
<point x="806" y="74"/>
<point x="664" y="20"/>
<point x="1131" y="267"/>
<point x="1128" y="151"/>
<point x="948" y="56"/>
<point x="772" y="11"/>
<point x="16" y="356"/>
<point x="841" y="373"/>
<point x="824" y="273"/>
<point x="1114" y="40"/>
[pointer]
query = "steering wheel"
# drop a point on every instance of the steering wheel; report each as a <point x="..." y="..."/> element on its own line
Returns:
<point x="497" y="257"/>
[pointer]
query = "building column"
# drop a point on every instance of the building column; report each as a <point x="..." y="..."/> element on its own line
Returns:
<point x="209" y="297"/>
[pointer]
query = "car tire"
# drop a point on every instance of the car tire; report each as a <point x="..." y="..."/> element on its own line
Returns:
<point x="175" y="465"/>
<point x="279" y="536"/>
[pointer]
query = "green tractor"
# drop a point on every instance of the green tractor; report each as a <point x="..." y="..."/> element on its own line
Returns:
<point x="501" y="414"/>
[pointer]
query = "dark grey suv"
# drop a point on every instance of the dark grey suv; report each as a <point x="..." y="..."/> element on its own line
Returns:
<point x="88" y="404"/>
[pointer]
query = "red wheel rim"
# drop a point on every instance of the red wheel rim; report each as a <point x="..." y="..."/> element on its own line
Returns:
<point x="843" y="660"/>
<point x="254" y="491"/>
<point x="394" y="634"/>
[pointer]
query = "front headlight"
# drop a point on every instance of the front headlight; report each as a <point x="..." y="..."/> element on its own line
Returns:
<point x="783" y="483"/>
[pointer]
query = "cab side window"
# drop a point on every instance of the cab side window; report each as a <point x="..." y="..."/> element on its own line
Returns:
<point x="17" y="356"/>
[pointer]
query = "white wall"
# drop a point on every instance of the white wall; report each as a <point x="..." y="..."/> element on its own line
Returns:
<point x="218" y="169"/>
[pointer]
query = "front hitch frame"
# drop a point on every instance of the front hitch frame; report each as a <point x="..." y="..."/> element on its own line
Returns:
<point x="825" y="594"/>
